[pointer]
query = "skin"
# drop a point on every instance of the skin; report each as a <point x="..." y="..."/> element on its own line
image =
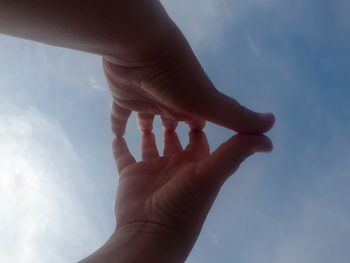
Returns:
<point x="163" y="201"/>
<point x="174" y="85"/>
<point x="151" y="69"/>
<point x="149" y="65"/>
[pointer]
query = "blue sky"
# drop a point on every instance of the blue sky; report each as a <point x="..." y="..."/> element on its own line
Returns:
<point x="57" y="176"/>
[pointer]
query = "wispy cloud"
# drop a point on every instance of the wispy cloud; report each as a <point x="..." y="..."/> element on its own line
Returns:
<point x="40" y="210"/>
<point x="202" y="21"/>
<point x="44" y="182"/>
<point x="214" y="238"/>
<point x="253" y="45"/>
<point x="94" y="83"/>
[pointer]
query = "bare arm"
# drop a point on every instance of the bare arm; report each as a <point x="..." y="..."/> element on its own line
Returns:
<point x="150" y="69"/>
<point x="109" y="27"/>
<point x="149" y="65"/>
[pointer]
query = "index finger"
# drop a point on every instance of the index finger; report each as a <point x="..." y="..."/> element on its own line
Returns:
<point x="122" y="155"/>
<point x="119" y="119"/>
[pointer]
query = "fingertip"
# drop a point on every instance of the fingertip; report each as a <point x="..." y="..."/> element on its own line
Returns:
<point x="168" y="132"/>
<point x="258" y="123"/>
<point x="264" y="144"/>
<point x="146" y="127"/>
<point x="118" y="141"/>
<point x="171" y="143"/>
<point x="271" y="116"/>
<point x="269" y="120"/>
<point x="118" y="131"/>
<point x="169" y="124"/>
<point x="117" y="144"/>
<point x="119" y="118"/>
<point x="149" y="146"/>
<point x="146" y="130"/>
<point x="169" y="129"/>
<point x="195" y="134"/>
<point x="196" y="125"/>
<point x="231" y="114"/>
<point x="169" y="135"/>
<point x="145" y="121"/>
<point x="198" y="140"/>
<point x="253" y="143"/>
<point x="147" y="133"/>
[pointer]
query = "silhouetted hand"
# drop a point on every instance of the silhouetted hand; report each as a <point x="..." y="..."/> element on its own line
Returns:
<point x="166" y="79"/>
<point x="149" y="65"/>
<point x="168" y="197"/>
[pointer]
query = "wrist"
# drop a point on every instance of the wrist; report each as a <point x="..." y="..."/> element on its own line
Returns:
<point x="150" y="242"/>
<point x="142" y="243"/>
<point x="138" y="34"/>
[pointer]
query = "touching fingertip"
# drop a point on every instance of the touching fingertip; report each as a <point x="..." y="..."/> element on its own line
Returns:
<point x="195" y="133"/>
<point x="267" y="121"/>
<point x="169" y="129"/>
<point x="268" y="145"/>
<point x="272" y="118"/>
<point x="118" y="132"/>
<point x="197" y="126"/>
<point x="264" y="145"/>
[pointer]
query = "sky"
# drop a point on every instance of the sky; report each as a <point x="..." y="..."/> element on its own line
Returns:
<point x="58" y="178"/>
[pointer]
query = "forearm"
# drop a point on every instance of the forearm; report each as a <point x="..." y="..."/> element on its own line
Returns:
<point x="101" y="27"/>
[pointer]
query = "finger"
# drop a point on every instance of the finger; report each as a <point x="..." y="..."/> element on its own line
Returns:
<point x="139" y="105"/>
<point x="196" y="124"/>
<point x="227" y="112"/>
<point x="169" y="124"/>
<point x="227" y="158"/>
<point x="119" y="119"/>
<point x="122" y="155"/>
<point x="145" y="121"/>
<point x="148" y="146"/>
<point x="198" y="142"/>
<point x="172" y="143"/>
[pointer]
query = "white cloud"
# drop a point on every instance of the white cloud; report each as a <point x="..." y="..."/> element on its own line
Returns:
<point x="343" y="12"/>
<point x="94" y="84"/>
<point x="40" y="210"/>
<point x="50" y="206"/>
<point x="204" y="21"/>
<point x="253" y="45"/>
<point x="49" y="66"/>
<point x="214" y="238"/>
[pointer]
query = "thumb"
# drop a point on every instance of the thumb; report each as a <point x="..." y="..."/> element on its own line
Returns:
<point x="227" y="158"/>
<point x="218" y="108"/>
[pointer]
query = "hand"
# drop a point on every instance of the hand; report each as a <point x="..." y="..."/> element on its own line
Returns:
<point x="170" y="196"/>
<point x="149" y="65"/>
<point x="165" y="78"/>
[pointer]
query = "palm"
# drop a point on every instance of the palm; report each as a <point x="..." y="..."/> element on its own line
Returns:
<point x="164" y="185"/>
<point x="173" y="84"/>
<point x="149" y="90"/>
<point x="176" y="190"/>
